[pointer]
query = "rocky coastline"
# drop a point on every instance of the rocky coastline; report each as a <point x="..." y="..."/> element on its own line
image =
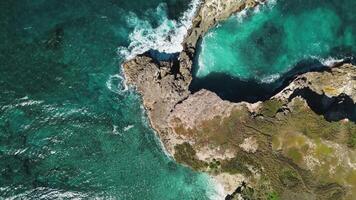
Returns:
<point x="282" y="146"/>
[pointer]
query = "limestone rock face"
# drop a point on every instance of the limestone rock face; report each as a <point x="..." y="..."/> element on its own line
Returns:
<point x="161" y="89"/>
<point x="164" y="84"/>
<point x="201" y="106"/>
<point x="280" y="137"/>
<point x="332" y="83"/>
<point x="239" y="142"/>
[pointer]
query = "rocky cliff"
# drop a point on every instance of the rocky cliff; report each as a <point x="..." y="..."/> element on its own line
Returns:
<point x="298" y="144"/>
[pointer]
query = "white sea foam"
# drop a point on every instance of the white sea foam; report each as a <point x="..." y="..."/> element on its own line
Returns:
<point x="116" y="84"/>
<point x="270" y="78"/>
<point x="330" y="61"/>
<point x="218" y="192"/>
<point x="25" y="101"/>
<point x="48" y="193"/>
<point x="201" y="64"/>
<point x="167" y="37"/>
<point x="127" y="128"/>
<point x="115" y="130"/>
<point x="240" y="16"/>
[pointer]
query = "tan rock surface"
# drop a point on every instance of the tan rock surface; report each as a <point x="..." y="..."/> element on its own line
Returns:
<point x="164" y="87"/>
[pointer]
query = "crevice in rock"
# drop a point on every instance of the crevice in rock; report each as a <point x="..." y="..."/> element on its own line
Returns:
<point x="171" y="58"/>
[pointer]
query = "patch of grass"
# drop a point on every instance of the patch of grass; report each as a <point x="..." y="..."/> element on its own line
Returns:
<point x="288" y="132"/>
<point x="184" y="153"/>
<point x="235" y="166"/>
<point x="272" y="196"/>
<point x="261" y="190"/>
<point x="295" y="154"/>
<point x="270" y="108"/>
<point x="351" y="132"/>
<point x="323" y="150"/>
<point x="303" y="120"/>
<point x="289" y="178"/>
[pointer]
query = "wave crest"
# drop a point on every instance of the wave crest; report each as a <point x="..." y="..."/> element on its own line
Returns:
<point x="166" y="37"/>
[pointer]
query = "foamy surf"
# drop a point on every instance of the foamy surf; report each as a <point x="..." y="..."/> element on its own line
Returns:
<point x="128" y="127"/>
<point x="167" y="37"/>
<point x="270" y="78"/>
<point x="116" y="84"/>
<point x="217" y="192"/>
<point x="240" y="16"/>
<point x="330" y="61"/>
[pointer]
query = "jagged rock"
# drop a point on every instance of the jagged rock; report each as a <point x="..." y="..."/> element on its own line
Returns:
<point x="230" y="139"/>
<point x="333" y="82"/>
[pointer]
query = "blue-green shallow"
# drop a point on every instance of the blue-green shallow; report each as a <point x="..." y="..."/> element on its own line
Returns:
<point x="67" y="128"/>
<point x="278" y="37"/>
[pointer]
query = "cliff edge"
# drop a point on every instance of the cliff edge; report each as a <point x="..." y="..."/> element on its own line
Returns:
<point x="298" y="144"/>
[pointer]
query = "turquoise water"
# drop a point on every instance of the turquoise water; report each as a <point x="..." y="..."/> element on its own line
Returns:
<point x="264" y="44"/>
<point x="68" y="127"/>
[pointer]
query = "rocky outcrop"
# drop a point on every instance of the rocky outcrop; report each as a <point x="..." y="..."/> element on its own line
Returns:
<point x="204" y="105"/>
<point x="264" y="144"/>
<point x="210" y="13"/>
<point x="161" y="89"/>
<point x="282" y="140"/>
<point x="164" y="84"/>
<point x="334" y="82"/>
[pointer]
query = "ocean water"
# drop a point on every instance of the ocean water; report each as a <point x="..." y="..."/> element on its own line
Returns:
<point x="69" y="129"/>
<point x="264" y="44"/>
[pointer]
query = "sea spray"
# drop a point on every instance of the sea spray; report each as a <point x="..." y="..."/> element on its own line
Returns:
<point x="217" y="191"/>
<point x="166" y="37"/>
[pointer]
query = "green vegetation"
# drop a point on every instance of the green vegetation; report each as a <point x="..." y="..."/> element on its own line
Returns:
<point x="295" y="154"/>
<point x="184" y="153"/>
<point x="304" y="120"/>
<point x="272" y="196"/>
<point x="270" y="108"/>
<point x="289" y="178"/>
<point x="235" y="166"/>
<point x="262" y="190"/>
<point x="214" y="165"/>
<point x="351" y="131"/>
<point x="282" y="145"/>
<point x="323" y="150"/>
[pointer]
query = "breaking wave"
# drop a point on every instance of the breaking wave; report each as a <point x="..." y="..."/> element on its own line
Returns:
<point x="166" y="37"/>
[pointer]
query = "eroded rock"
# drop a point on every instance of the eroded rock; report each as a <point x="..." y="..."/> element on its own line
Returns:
<point x="265" y="144"/>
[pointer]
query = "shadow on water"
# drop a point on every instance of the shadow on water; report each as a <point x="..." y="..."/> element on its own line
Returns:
<point x="162" y="56"/>
<point x="332" y="108"/>
<point x="171" y="58"/>
<point x="235" y="89"/>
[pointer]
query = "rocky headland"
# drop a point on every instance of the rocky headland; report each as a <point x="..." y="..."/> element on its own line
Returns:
<point x="299" y="144"/>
